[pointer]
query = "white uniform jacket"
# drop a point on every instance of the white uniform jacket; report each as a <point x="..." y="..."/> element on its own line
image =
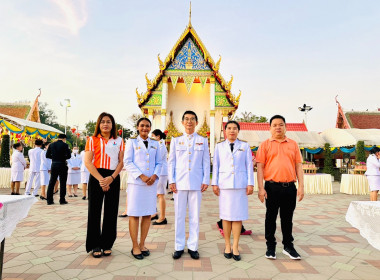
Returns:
<point x="373" y="165"/>
<point x="232" y="170"/>
<point x="83" y="167"/>
<point x="45" y="162"/>
<point x="189" y="162"/>
<point x="35" y="159"/>
<point x="18" y="161"/>
<point x="164" y="153"/>
<point x="74" y="161"/>
<point x="141" y="160"/>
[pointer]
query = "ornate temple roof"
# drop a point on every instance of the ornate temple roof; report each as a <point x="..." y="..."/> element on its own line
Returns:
<point x="357" y="119"/>
<point x="22" y="110"/>
<point x="209" y="64"/>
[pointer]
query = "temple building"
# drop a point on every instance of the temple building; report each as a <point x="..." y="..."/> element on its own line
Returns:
<point x="23" y="110"/>
<point x="189" y="79"/>
<point x="357" y="119"/>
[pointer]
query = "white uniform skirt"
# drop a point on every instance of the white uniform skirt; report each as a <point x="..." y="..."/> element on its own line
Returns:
<point x="233" y="204"/>
<point x="17" y="176"/>
<point x="84" y="176"/>
<point x="73" y="178"/>
<point x="44" y="177"/>
<point x="162" y="183"/>
<point x="374" y="182"/>
<point x="141" y="200"/>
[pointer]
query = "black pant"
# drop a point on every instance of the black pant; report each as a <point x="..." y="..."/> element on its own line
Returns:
<point x="105" y="238"/>
<point x="57" y="169"/>
<point x="283" y="198"/>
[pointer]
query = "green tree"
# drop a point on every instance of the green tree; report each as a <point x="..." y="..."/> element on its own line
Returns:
<point x="90" y="128"/>
<point x="360" y="152"/>
<point x="328" y="164"/>
<point x="250" y="117"/>
<point x="47" y="115"/>
<point x="5" y="148"/>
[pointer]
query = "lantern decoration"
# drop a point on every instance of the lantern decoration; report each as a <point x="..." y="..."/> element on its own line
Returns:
<point x="208" y="134"/>
<point x="166" y="132"/>
<point x="78" y="134"/>
<point x="73" y="130"/>
<point x="120" y="131"/>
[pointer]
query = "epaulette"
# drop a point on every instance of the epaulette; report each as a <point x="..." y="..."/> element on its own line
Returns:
<point x="152" y="139"/>
<point x="133" y="137"/>
<point x="179" y="135"/>
<point x="242" y="140"/>
<point x="221" y="141"/>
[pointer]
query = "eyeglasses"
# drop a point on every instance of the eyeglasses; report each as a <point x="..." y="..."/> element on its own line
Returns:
<point x="189" y="119"/>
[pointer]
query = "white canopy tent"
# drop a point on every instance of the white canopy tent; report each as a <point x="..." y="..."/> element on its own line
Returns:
<point x="305" y="139"/>
<point x="349" y="137"/>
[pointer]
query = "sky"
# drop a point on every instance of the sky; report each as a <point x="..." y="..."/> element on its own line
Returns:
<point x="282" y="54"/>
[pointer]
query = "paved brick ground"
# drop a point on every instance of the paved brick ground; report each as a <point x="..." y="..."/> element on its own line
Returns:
<point x="49" y="244"/>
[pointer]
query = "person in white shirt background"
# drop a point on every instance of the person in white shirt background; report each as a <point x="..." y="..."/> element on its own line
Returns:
<point x="34" y="168"/>
<point x="74" y="172"/>
<point x="84" y="176"/>
<point x="45" y="168"/>
<point x="17" y="169"/>
<point x="189" y="176"/>
<point x="232" y="181"/>
<point x="373" y="172"/>
<point x="143" y="161"/>
<point x="163" y="180"/>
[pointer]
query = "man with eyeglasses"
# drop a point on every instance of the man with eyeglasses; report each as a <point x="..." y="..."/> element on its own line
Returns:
<point x="189" y="176"/>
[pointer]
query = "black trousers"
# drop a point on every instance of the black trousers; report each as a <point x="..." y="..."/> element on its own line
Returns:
<point x="57" y="169"/>
<point x="281" y="198"/>
<point x="105" y="237"/>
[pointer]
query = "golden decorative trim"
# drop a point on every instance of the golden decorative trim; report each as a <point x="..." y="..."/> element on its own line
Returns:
<point x="212" y="113"/>
<point x="212" y="80"/>
<point x="160" y="63"/>
<point x="163" y="112"/>
<point x="150" y="112"/>
<point x="149" y="83"/>
<point x="164" y="79"/>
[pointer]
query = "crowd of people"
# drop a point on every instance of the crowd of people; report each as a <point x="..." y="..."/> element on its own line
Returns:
<point x="185" y="170"/>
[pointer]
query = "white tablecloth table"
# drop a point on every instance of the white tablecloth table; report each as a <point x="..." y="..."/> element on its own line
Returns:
<point x="365" y="216"/>
<point x="5" y="177"/>
<point x="313" y="183"/>
<point x="15" y="208"/>
<point x="354" y="184"/>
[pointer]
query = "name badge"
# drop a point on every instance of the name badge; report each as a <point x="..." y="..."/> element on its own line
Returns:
<point x="241" y="150"/>
<point x="153" y="147"/>
<point x="199" y="144"/>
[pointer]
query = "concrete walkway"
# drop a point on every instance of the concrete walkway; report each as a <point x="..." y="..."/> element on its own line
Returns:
<point x="49" y="244"/>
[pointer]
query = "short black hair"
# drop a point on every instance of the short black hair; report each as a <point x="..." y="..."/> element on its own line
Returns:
<point x="234" y="122"/>
<point x="38" y="142"/>
<point x="158" y="132"/>
<point x="276" y="117"/>
<point x="188" y="112"/>
<point x="16" y="145"/>
<point x="374" y="150"/>
<point x="62" y="136"/>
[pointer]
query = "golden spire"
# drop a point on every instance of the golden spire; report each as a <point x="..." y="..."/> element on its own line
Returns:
<point x="190" y="15"/>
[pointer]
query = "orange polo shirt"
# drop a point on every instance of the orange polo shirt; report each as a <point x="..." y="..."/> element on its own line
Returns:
<point x="279" y="159"/>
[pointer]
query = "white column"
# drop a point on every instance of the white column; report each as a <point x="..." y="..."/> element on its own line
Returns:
<point x="212" y="115"/>
<point x="150" y="117"/>
<point x="164" y="102"/>
<point x="225" y="116"/>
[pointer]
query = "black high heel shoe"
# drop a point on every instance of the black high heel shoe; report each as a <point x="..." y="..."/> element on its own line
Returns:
<point x="227" y="255"/>
<point x="236" y="257"/>
<point x="137" y="256"/>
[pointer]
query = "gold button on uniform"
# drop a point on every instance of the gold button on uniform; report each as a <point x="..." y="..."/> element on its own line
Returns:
<point x="147" y="169"/>
<point x="189" y="169"/>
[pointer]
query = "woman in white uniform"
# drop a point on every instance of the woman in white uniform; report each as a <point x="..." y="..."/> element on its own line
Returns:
<point x="84" y="175"/>
<point x="45" y="168"/>
<point x="232" y="181"/>
<point x="73" y="173"/>
<point x="373" y="172"/>
<point x="142" y="160"/>
<point x="17" y="169"/>
<point x="163" y="180"/>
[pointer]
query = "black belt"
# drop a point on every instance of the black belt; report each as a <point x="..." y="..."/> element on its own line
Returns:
<point x="284" y="184"/>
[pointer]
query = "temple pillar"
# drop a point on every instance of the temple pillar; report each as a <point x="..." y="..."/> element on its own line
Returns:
<point x="164" y="102"/>
<point x="150" y="116"/>
<point x="212" y="115"/>
<point x="225" y="116"/>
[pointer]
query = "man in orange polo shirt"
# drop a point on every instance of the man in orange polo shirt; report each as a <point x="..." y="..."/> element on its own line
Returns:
<point x="279" y="163"/>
